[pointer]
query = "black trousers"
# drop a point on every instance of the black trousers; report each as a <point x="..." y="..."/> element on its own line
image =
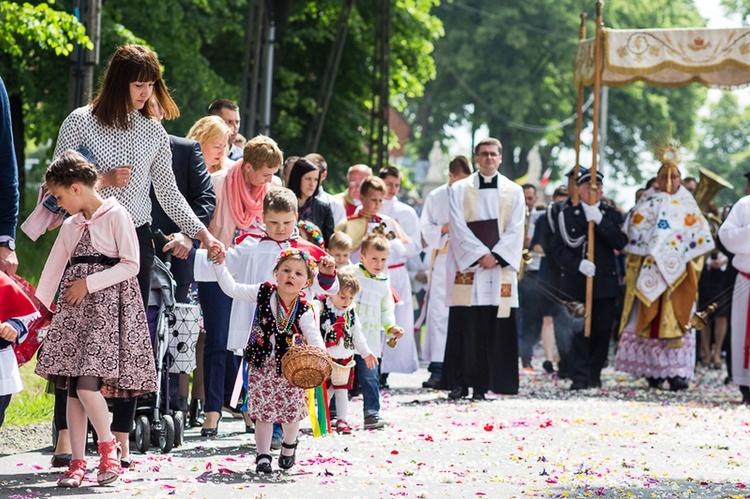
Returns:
<point x="481" y="350"/>
<point x="588" y="355"/>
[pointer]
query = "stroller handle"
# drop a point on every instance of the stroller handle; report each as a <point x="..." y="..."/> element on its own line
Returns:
<point x="161" y="240"/>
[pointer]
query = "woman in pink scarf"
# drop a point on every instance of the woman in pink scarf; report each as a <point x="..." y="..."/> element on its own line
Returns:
<point x="239" y="210"/>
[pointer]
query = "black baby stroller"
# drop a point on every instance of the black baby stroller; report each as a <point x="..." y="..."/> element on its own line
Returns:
<point x="175" y="328"/>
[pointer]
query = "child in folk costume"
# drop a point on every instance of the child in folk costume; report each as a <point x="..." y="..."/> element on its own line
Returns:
<point x="253" y="257"/>
<point x="16" y="313"/>
<point x="403" y="358"/>
<point x="340" y="248"/>
<point x="343" y="336"/>
<point x="98" y="342"/>
<point x="280" y="312"/>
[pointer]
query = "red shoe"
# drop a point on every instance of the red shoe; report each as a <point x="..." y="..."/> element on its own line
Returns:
<point x="343" y="427"/>
<point x="109" y="465"/>
<point x="73" y="476"/>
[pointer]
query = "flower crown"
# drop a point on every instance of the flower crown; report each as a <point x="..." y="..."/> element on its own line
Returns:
<point x="309" y="261"/>
<point x="313" y="231"/>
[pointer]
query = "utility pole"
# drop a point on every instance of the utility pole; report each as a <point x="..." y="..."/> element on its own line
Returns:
<point x="329" y="78"/>
<point x="81" y="87"/>
<point x="379" y="128"/>
<point x="257" y="72"/>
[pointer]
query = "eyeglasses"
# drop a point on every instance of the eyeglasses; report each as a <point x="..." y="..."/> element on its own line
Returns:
<point x="485" y="154"/>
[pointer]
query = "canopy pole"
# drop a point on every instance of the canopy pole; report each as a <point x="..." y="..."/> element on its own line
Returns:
<point x="579" y="124"/>
<point x="593" y="185"/>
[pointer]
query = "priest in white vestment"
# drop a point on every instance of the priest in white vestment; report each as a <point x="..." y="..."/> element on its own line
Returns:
<point x="487" y="212"/>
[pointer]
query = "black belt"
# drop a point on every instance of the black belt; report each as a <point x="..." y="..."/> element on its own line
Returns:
<point x="104" y="260"/>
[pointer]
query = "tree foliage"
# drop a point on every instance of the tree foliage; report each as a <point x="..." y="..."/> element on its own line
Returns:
<point x="304" y="45"/>
<point x="201" y="47"/>
<point x="508" y="63"/>
<point x="25" y="25"/>
<point x="724" y="144"/>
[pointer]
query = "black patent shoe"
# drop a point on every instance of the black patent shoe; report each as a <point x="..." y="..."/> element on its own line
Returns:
<point x="61" y="460"/>
<point x="745" y="391"/>
<point x="265" y="466"/>
<point x="579" y="385"/>
<point x="432" y="383"/>
<point x="655" y="382"/>
<point x="477" y="395"/>
<point x="211" y="432"/>
<point x="677" y="383"/>
<point x="458" y="393"/>
<point x="286" y="462"/>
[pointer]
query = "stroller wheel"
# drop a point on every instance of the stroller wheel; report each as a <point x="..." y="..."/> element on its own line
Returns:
<point x="142" y="433"/>
<point x="166" y="435"/>
<point x="179" y="428"/>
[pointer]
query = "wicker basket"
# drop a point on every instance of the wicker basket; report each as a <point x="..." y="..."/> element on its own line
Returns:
<point x="340" y="373"/>
<point x="305" y="366"/>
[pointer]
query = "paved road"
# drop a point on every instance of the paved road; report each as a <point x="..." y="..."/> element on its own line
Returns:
<point x="623" y="441"/>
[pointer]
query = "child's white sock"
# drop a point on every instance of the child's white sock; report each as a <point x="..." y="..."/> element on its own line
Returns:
<point x="342" y="403"/>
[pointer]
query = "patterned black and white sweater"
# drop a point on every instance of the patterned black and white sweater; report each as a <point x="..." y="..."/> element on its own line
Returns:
<point x="144" y="146"/>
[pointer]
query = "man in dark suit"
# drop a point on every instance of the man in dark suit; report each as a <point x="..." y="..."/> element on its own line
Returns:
<point x="587" y="356"/>
<point x="194" y="182"/>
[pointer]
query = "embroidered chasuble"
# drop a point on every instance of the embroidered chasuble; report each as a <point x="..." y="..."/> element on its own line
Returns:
<point x="667" y="238"/>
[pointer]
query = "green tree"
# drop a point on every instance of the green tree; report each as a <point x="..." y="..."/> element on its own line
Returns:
<point x="505" y="64"/>
<point x="723" y="143"/>
<point x="201" y="45"/>
<point x="304" y="43"/>
<point x="33" y="39"/>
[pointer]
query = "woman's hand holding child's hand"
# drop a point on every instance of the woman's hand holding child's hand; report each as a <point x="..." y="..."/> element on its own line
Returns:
<point x="217" y="254"/>
<point x="371" y="361"/>
<point x="327" y="265"/>
<point x="8" y="332"/>
<point x="76" y="291"/>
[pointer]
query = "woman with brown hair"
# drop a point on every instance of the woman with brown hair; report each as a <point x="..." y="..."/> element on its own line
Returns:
<point x="118" y="132"/>
<point x="304" y="181"/>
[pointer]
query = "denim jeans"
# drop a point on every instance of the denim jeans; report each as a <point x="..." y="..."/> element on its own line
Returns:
<point x="369" y="381"/>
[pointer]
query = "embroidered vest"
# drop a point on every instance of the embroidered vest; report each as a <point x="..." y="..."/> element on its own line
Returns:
<point x="334" y="328"/>
<point x="259" y="346"/>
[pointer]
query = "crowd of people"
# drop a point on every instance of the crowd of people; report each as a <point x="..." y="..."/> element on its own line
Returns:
<point x="273" y="257"/>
